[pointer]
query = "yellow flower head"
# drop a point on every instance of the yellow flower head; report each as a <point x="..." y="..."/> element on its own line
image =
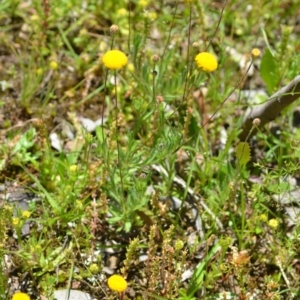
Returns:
<point x="122" y="12"/>
<point x="34" y="18"/>
<point x="53" y="65"/>
<point x="151" y="15"/>
<point x="114" y="59"/>
<point x="73" y="168"/>
<point x="273" y="223"/>
<point x="255" y="52"/>
<point x="15" y="221"/>
<point x="117" y="283"/>
<point x="20" y="296"/>
<point x="94" y="268"/>
<point x="39" y="71"/>
<point x="130" y="67"/>
<point x="25" y="214"/>
<point x="206" y="62"/>
<point x="263" y="217"/>
<point x="143" y="3"/>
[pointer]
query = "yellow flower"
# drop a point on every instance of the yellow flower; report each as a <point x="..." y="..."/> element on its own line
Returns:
<point x="179" y="244"/>
<point x="94" y="268"/>
<point x="151" y="15"/>
<point x="143" y="3"/>
<point x="7" y="208"/>
<point x="73" y="168"/>
<point x="122" y="12"/>
<point x="34" y="18"/>
<point x="130" y="67"/>
<point x="39" y="71"/>
<point x="114" y="59"/>
<point x="273" y="223"/>
<point x="15" y="221"/>
<point x="255" y="52"/>
<point x="20" y="296"/>
<point x="117" y="283"/>
<point x="206" y="62"/>
<point x="53" y="65"/>
<point x="83" y="32"/>
<point x="26" y="214"/>
<point x="263" y="217"/>
<point x="38" y="248"/>
<point x="79" y="204"/>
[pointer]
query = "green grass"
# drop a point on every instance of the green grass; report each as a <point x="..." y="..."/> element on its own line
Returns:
<point x="170" y="136"/>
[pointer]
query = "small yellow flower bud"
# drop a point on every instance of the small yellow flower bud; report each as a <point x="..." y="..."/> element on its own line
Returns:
<point x="73" y="168"/>
<point x="263" y="217"/>
<point x="273" y="223"/>
<point x="255" y="53"/>
<point x="26" y="214"/>
<point x="225" y="241"/>
<point x="179" y="245"/>
<point x="94" y="268"/>
<point x="53" y="65"/>
<point x="143" y="3"/>
<point x="70" y="93"/>
<point x="224" y="267"/>
<point x="39" y="71"/>
<point x="151" y="15"/>
<point x="16" y="221"/>
<point x="34" y="18"/>
<point x="130" y="67"/>
<point x="83" y="32"/>
<point x="79" y="204"/>
<point x="122" y="12"/>
<point x="38" y="248"/>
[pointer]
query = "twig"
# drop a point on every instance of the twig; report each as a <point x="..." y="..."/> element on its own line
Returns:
<point x="270" y="109"/>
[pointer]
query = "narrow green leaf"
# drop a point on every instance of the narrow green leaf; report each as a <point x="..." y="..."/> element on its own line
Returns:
<point x="243" y="153"/>
<point x="269" y="71"/>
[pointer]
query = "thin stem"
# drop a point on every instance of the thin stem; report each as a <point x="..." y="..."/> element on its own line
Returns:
<point x="46" y="14"/>
<point x="112" y="42"/>
<point x="169" y="36"/>
<point x="155" y="115"/>
<point x="105" y="85"/>
<point x="233" y="90"/>
<point x="218" y="25"/>
<point x="188" y="55"/>
<point x="103" y="108"/>
<point x="117" y="141"/>
<point x="243" y="217"/>
<point x="129" y="26"/>
<point x="153" y="84"/>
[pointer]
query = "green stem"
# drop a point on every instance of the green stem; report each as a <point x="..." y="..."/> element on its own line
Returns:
<point x="117" y="141"/>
